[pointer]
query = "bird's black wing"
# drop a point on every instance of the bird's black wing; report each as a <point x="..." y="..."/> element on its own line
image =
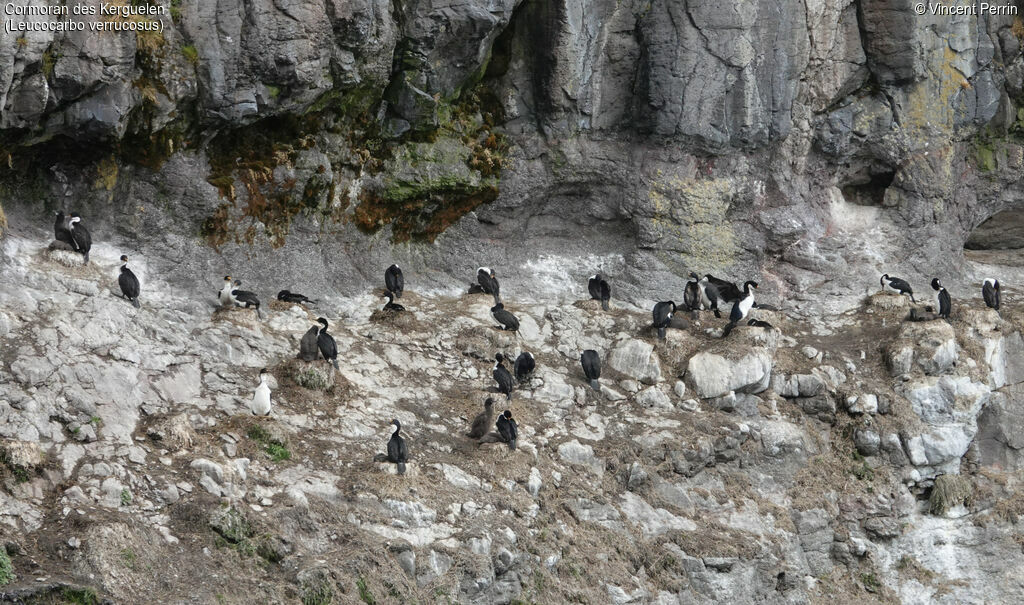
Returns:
<point x="945" y="303"/>
<point x="736" y="314"/>
<point x="727" y="290"/>
<point x="327" y="346"/>
<point x="82" y="238"/>
<point x="249" y="299"/>
<point x="900" y="284"/>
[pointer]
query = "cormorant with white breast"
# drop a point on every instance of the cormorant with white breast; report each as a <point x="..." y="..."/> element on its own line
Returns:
<point x="508" y="429"/>
<point x="895" y="284"/>
<point x="293" y="297"/>
<point x="943" y="303"/>
<point x="727" y="291"/>
<point x="80" y="236"/>
<point x="394" y="281"/>
<point x="308" y="348"/>
<point x="397" y="451"/>
<point x="502" y="376"/>
<point x="990" y="292"/>
<point x="507" y="320"/>
<point x="260" y="405"/>
<point x="391" y="305"/>
<point x="741" y="308"/>
<point x="61" y="232"/>
<point x="663" y="316"/>
<point x="230" y="295"/>
<point x="709" y="296"/>
<point x="488" y="283"/>
<point x="591" y="363"/>
<point x="328" y="348"/>
<point x="482" y="422"/>
<point x="600" y="290"/>
<point x="129" y="283"/>
<point x="524" y="365"/>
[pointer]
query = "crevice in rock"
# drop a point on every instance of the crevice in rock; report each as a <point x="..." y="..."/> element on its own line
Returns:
<point x="868" y="189"/>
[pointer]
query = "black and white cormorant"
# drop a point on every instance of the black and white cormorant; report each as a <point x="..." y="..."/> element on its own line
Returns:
<point x="80" y="236"/>
<point x="691" y="293"/>
<point x="508" y="429"/>
<point x="591" y="363"/>
<point x="757" y="323"/>
<point x="727" y="291"/>
<point x="394" y="281"/>
<point x="524" y="366"/>
<point x="391" y="305"/>
<point x="129" y="283"/>
<point x="488" y="283"/>
<point x="895" y="284"/>
<point x="308" y="348"/>
<point x="990" y="292"/>
<point x="943" y="302"/>
<point x="502" y="376"/>
<point x="662" y="316"/>
<point x="741" y="308"/>
<point x="600" y="290"/>
<point x="482" y="422"/>
<point x="260" y="404"/>
<point x="397" y="452"/>
<point x="231" y="295"/>
<point x="293" y="297"/>
<point x="61" y="231"/>
<point x="507" y="320"/>
<point x="709" y="296"/>
<point x="325" y="342"/>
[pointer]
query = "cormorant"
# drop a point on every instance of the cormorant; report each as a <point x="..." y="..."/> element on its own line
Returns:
<point x="600" y="290"/>
<point x="757" y="323"/>
<point x="293" y="297"/>
<point x="508" y="429"/>
<point x="741" y="308"/>
<point x="81" y="237"/>
<point x="896" y="284"/>
<point x="709" y="296"/>
<point x="482" y="421"/>
<point x="727" y="291"/>
<point x="309" y="348"/>
<point x="394" y="281"/>
<point x="591" y="363"/>
<point x="488" y="282"/>
<point x="943" y="303"/>
<point x="391" y="305"/>
<point x="325" y="342"/>
<point x="507" y="320"/>
<point x="260" y="405"/>
<point x="397" y="451"/>
<point x="691" y="293"/>
<point x="230" y="295"/>
<point x="502" y="376"/>
<point x="990" y="292"/>
<point x="129" y="283"/>
<point x="662" y="315"/>
<point x="61" y="232"/>
<point x="524" y="365"/>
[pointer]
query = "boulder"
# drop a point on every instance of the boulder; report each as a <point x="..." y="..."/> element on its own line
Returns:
<point x="636" y="359"/>
<point x="715" y="375"/>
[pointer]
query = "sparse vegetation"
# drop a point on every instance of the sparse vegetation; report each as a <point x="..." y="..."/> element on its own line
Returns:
<point x="126" y="497"/>
<point x="871" y="583"/>
<point x="312" y="379"/>
<point x="191" y="54"/>
<point x="317" y="591"/>
<point x="6" y="568"/>
<point x="364" y="593"/>
<point x="275" y="449"/>
<point x="128" y="558"/>
<point x="949" y="491"/>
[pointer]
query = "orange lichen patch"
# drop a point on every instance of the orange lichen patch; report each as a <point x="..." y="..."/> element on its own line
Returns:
<point x="422" y="217"/>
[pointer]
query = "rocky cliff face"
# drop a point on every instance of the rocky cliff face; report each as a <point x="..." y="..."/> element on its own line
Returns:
<point x="811" y="146"/>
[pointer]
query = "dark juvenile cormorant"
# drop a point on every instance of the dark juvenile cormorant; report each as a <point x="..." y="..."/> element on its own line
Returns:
<point x="325" y="342"/>
<point x="895" y="284"/>
<point x="80" y="236"/>
<point x="662" y="315"/>
<point x="507" y="320"/>
<point x="230" y="295"/>
<point x="727" y="291"/>
<point x="391" y="305"/>
<point x="394" y="281"/>
<point x="397" y="451"/>
<point x="308" y="348"/>
<point x="591" y="363"/>
<point x="293" y="297"/>
<point x="691" y="293"/>
<point x="990" y="292"/>
<point x="488" y="282"/>
<point x="61" y="232"/>
<point x="943" y="303"/>
<point x="709" y="296"/>
<point x="508" y="429"/>
<point x="502" y="376"/>
<point x="600" y="290"/>
<point x="482" y="422"/>
<point x="524" y="365"/>
<point x="128" y="282"/>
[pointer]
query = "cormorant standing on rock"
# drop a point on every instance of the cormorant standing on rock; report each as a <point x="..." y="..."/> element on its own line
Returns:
<point x="308" y="346"/>
<point x="943" y="303"/>
<point x="488" y="283"/>
<point x="600" y="290"/>
<point x="508" y="429"/>
<point x="895" y="284"/>
<point x="709" y="296"/>
<point x="391" y="305"/>
<point x="741" y="308"/>
<point x="394" y="281"/>
<point x="397" y="451"/>
<point x="662" y="315"/>
<point x="61" y="232"/>
<point x="80" y="236"/>
<point x="502" y="376"/>
<point x="293" y="297"/>
<point x="691" y="293"/>
<point x="260" y="405"/>
<point x="591" y="363"/>
<point x="524" y="365"/>
<point x="990" y="292"/>
<point x="328" y="348"/>
<point x="727" y="291"/>
<point x="229" y="295"/>
<point x="129" y="283"/>
<point x="482" y="421"/>
<point x="507" y="320"/>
